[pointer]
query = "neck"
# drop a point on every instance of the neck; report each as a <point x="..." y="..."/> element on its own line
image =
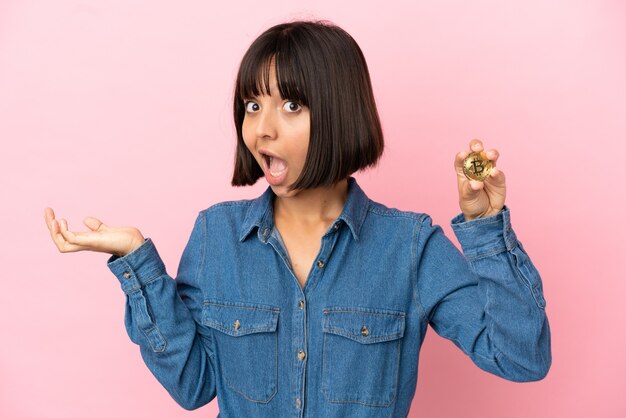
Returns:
<point x="311" y="206"/>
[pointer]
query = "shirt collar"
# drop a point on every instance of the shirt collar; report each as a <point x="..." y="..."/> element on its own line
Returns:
<point x="261" y="212"/>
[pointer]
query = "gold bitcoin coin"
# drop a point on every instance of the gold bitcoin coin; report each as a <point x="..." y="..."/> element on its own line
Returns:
<point x="476" y="166"/>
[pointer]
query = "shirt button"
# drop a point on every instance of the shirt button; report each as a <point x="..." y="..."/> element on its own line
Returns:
<point x="264" y="233"/>
<point x="336" y="226"/>
<point x="127" y="275"/>
<point x="237" y="324"/>
<point x="297" y="403"/>
<point x="364" y="331"/>
<point x="320" y="263"/>
<point x="301" y="355"/>
<point x="301" y="304"/>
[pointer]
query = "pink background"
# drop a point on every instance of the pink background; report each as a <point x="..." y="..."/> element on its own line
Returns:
<point x="122" y="110"/>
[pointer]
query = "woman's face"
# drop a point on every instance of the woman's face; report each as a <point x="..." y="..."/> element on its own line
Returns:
<point x="276" y="131"/>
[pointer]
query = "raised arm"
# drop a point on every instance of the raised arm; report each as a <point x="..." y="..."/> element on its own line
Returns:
<point x="489" y="299"/>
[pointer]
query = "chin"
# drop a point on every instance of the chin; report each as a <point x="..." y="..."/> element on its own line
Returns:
<point x="283" y="191"/>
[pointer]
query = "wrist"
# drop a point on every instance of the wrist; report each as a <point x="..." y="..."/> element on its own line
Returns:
<point x="135" y="243"/>
<point x="138" y="242"/>
<point x="471" y="217"/>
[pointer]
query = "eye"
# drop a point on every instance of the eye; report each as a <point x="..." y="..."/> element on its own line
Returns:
<point x="291" y="106"/>
<point x="251" y="106"/>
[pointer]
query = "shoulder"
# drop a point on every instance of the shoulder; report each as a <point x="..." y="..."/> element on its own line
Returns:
<point x="228" y="206"/>
<point x="379" y="211"/>
<point x="234" y="210"/>
<point x="394" y="222"/>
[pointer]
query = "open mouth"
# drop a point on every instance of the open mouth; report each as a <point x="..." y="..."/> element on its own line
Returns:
<point x="275" y="166"/>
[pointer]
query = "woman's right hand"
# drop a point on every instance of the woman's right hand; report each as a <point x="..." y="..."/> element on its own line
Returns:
<point x="102" y="238"/>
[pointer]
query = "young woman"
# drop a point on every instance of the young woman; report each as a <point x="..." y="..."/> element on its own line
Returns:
<point x="313" y="300"/>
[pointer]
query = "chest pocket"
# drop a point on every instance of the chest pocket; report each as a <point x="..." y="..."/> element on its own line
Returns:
<point x="246" y="346"/>
<point x="361" y="355"/>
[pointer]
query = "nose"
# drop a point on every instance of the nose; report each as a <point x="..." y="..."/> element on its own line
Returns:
<point x="266" y="124"/>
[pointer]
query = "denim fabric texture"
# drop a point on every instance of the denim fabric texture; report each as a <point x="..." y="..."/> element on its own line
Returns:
<point x="236" y="324"/>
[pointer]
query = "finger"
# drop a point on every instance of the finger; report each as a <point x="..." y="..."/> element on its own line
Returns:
<point x="476" y="185"/>
<point x="493" y="155"/>
<point x="94" y="224"/>
<point x="55" y="233"/>
<point x="49" y="217"/>
<point x="470" y="188"/>
<point x="476" y="145"/>
<point x="497" y="177"/>
<point x="84" y="240"/>
<point x="67" y="234"/>
<point x="62" y="245"/>
<point x="70" y="238"/>
<point x="458" y="161"/>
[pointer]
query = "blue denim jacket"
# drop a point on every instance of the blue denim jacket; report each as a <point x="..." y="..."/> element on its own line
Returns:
<point x="236" y="323"/>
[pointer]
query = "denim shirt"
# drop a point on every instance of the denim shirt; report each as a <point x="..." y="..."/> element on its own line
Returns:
<point x="237" y="324"/>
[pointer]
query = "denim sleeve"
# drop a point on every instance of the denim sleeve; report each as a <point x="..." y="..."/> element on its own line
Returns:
<point x="487" y="300"/>
<point x="161" y="318"/>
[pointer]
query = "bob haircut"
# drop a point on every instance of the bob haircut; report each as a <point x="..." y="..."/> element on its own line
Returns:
<point x="320" y="66"/>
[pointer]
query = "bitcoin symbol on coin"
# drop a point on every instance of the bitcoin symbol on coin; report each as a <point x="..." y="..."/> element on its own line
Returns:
<point x="476" y="166"/>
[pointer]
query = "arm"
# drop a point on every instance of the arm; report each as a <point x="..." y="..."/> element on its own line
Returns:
<point x="161" y="319"/>
<point x="489" y="300"/>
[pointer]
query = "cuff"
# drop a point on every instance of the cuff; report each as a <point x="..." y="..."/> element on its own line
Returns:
<point x="485" y="236"/>
<point x="138" y="267"/>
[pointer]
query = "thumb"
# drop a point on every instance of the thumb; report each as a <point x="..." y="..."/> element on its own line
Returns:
<point x="94" y="224"/>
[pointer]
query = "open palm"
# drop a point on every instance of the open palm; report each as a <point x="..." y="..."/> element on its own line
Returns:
<point x="102" y="238"/>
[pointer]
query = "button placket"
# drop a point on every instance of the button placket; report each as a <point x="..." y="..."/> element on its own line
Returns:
<point x="300" y="343"/>
<point x="301" y="355"/>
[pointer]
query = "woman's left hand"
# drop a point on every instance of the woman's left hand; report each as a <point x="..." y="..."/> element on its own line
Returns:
<point x="479" y="199"/>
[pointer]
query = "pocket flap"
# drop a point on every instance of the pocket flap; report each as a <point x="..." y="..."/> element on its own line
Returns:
<point x="239" y="318"/>
<point x="364" y="325"/>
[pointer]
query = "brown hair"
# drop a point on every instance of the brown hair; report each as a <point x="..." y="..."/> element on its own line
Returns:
<point x="318" y="65"/>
